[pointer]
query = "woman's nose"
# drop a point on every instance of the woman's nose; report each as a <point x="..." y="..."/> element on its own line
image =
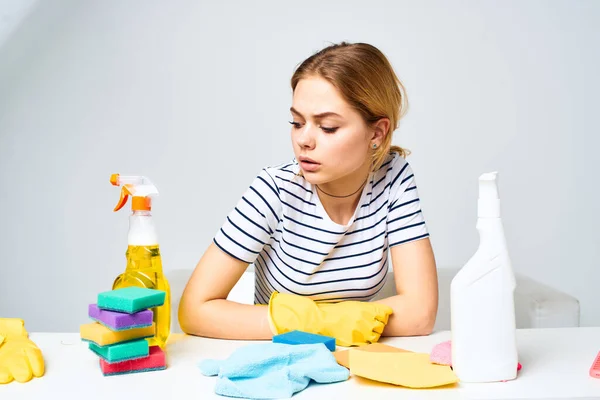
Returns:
<point x="305" y="137"/>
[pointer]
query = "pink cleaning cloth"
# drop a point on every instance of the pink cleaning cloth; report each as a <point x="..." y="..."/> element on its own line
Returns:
<point x="442" y="354"/>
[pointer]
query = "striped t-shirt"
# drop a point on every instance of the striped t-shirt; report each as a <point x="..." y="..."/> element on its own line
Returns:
<point x="281" y="227"/>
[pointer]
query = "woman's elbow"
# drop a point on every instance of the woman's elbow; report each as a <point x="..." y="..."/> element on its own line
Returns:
<point x="425" y="324"/>
<point x="420" y="323"/>
<point x="188" y="318"/>
<point x="184" y="320"/>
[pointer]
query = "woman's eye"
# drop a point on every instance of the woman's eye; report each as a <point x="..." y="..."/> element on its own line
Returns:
<point x="298" y="125"/>
<point x="329" y="130"/>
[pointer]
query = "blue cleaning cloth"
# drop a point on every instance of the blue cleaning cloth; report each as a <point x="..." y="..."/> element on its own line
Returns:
<point x="273" y="370"/>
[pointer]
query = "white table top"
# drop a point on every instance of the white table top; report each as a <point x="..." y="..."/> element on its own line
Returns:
<point x="555" y="363"/>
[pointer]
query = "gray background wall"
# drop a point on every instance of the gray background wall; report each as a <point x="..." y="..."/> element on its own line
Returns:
<point x="195" y="95"/>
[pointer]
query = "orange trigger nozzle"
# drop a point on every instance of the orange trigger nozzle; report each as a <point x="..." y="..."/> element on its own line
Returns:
<point x="124" y="196"/>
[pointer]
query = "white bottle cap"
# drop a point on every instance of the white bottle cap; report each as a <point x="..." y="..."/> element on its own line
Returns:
<point x="488" y="205"/>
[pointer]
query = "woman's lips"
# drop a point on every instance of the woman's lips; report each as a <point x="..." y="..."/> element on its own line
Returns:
<point x="309" y="166"/>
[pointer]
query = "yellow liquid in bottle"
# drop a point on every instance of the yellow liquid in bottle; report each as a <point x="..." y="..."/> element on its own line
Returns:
<point x="144" y="269"/>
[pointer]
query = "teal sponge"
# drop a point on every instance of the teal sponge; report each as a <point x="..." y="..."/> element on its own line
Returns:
<point x="301" y="337"/>
<point x="121" y="351"/>
<point x="130" y="299"/>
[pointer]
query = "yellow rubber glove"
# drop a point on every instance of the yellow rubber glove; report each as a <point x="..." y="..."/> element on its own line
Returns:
<point x="351" y="323"/>
<point x="20" y="358"/>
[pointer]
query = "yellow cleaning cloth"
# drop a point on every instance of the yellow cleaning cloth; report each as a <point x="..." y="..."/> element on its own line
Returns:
<point x="413" y="370"/>
<point x="102" y="336"/>
<point x="343" y="356"/>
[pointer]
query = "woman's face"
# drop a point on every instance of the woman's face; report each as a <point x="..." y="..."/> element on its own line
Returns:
<point x="331" y="140"/>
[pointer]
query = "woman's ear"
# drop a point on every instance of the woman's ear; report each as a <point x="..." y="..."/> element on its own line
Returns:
<point x="380" y="130"/>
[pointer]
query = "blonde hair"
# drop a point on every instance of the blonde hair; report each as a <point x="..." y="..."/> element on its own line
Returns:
<point x="366" y="80"/>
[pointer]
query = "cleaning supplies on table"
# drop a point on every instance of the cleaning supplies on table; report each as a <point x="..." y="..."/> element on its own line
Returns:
<point x="595" y="368"/>
<point x="407" y="369"/>
<point x="121" y="339"/>
<point x="118" y="321"/>
<point x="144" y="264"/>
<point x="300" y="337"/>
<point x="343" y="356"/>
<point x="155" y="361"/>
<point x="273" y="370"/>
<point x="396" y="366"/>
<point x="118" y="352"/>
<point x="20" y="358"/>
<point x="131" y="299"/>
<point x="481" y="300"/>
<point x="102" y="335"/>
<point x="442" y="354"/>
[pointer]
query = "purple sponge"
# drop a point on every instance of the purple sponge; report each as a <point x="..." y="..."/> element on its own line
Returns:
<point x="119" y="321"/>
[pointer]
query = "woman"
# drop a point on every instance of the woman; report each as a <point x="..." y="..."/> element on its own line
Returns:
<point x="318" y="229"/>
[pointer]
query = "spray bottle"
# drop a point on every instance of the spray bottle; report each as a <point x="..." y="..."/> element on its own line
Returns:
<point x="482" y="304"/>
<point x="144" y="265"/>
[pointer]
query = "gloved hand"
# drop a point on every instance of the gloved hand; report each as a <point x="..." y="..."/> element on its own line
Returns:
<point x="20" y="358"/>
<point x="351" y="323"/>
<point x="273" y="370"/>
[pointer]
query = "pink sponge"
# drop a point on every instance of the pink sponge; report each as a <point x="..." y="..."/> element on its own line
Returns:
<point x="442" y="354"/>
<point x="156" y="360"/>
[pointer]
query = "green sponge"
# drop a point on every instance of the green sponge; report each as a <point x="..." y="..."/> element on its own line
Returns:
<point x="130" y="299"/>
<point x="121" y="351"/>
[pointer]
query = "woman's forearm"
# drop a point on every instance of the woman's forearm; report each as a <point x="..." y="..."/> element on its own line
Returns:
<point x="410" y="318"/>
<point x="226" y="319"/>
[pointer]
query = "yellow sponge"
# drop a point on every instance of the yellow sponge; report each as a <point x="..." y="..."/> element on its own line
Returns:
<point x="102" y="336"/>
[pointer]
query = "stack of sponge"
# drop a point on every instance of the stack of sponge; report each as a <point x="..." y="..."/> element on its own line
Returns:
<point x="123" y="320"/>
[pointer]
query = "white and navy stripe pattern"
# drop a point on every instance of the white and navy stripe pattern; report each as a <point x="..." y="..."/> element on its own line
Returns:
<point x="280" y="225"/>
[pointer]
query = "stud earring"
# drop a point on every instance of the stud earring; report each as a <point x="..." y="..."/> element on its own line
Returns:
<point x="374" y="145"/>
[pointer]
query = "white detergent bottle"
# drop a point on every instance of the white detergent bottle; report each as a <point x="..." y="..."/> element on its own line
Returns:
<point x="484" y="347"/>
